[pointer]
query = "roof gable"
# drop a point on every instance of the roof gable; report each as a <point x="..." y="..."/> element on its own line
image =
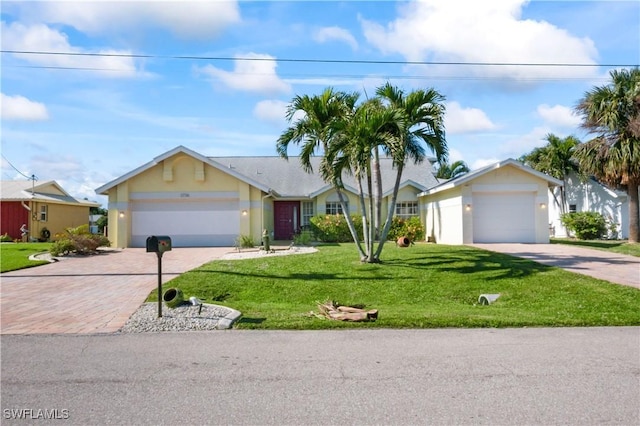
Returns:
<point x="177" y="150"/>
<point x="475" y="174"/>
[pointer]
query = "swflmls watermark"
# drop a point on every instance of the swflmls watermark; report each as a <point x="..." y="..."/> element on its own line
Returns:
<point x="35" y="414"/>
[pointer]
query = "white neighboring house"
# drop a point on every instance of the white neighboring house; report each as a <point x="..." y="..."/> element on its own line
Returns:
<point x="593" y="196"/>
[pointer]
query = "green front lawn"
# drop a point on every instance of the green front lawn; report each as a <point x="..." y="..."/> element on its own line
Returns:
<point x="616" y="246"/>
<point x="422" y="286"/>
<point x="16" y="255"/>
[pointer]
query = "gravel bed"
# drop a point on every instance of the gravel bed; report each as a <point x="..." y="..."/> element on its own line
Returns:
<point x="182" y="318"/>
<point x="185" y="317"/>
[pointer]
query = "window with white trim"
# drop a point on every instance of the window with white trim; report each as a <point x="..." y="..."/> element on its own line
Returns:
<point x="43" y="213"/>
<point x="307" y="213"/>
<point x="407" y="209"/>
<point x="573" y="208"/>
<point x="334" y="207"/>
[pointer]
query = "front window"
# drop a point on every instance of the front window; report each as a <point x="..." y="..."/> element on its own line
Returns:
<point x="307" y="213"/>
<point x="333" y="207"/>
<point x="43" y="213"/>
<point x="407" y="209"/>
<point x="572" y="208"/>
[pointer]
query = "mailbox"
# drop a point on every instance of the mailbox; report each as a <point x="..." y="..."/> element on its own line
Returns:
<point x="158" y="244"/>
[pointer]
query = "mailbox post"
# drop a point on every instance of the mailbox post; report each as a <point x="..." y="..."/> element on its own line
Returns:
<point x="159" y="245"/>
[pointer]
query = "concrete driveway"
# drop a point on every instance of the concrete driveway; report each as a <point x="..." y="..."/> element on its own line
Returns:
<point x="613" y="267"/>
<point x="93" y="294"/>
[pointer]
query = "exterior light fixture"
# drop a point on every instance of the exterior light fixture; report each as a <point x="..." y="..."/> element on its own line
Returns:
<point x="244" y="212"/>
<point x="467" y="207"/>
<point x="543" y="206"/>
<point x="121" y="215"/>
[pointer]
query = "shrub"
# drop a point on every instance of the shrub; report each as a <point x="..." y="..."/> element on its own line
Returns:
<point x="585" y="225"/>
<point x="244" y="241"/>
<point x="333" y="228"/>
<point x="411" y="228"/>
<point x="303" y="238"/>
<point x="78" y="240"/>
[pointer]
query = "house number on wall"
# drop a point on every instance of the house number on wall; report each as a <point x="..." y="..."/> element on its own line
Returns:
<point x="184" y="195"/>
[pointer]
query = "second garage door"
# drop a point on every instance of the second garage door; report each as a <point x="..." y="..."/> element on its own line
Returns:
<point x="504" y="217"/>
<point x="189" y="224"/>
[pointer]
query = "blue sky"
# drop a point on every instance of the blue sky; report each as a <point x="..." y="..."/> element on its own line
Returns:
<point x="85" y="120"/>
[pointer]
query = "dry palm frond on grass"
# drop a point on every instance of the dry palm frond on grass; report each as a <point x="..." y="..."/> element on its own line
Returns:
<point x="334" y="311"/>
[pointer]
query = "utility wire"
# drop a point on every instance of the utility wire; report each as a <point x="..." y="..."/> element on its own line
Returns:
<point x="339" y="76"/>
<point x="328" y="61"/>
<point x="32" y="177"/>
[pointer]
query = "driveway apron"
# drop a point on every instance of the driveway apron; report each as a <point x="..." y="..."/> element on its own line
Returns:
<point x="92" y="294"/>
<point x="612" y="267"/>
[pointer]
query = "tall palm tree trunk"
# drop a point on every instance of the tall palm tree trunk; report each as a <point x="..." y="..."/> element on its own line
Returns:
<point x="352" y="228"/>
<point x="634" y="211"/>
<point x="390" y="212"/>
<point x="378" y="192"/>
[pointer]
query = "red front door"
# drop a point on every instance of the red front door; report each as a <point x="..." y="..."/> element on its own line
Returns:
<point x="286" y="219"/>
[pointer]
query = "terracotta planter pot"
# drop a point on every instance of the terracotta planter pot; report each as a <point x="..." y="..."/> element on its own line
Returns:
<point x="403" y="242"/>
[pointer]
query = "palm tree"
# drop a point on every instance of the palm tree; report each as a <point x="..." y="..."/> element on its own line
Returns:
<point x="452" y="171"/>
<point x="555" y="159"/>
<point x="422" y="112"/>
<point x="324" y="117"/>
<point x="613" y="156"/>
<point x="368" y="128"/>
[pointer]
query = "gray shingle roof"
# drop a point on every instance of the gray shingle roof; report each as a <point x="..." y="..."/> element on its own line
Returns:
<point x="287" y="178"/>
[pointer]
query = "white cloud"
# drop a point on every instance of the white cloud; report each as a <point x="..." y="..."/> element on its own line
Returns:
<point x="558" y="115"/>
<point x="465" y="120"/>
<point x="200" y="19"/>
<point x="484" y="31"/>
<point x="271" y="111"/>
<point x="20" y="108"/>
<point x="257" y="74"/>
<point x="483" y="162"/>
<point x="514" y="148"/>
<point x="455" y="155"/>
<point x="326" y="34"/>
<point x="39" y="37"/>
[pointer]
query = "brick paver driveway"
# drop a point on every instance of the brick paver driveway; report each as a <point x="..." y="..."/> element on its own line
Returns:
<point x="93" y="294"/>
<point x="613" y="267"/>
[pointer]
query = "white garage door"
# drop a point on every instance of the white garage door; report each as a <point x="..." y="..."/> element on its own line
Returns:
<point x="189" y="223"/>
<point x="504" y="217"/>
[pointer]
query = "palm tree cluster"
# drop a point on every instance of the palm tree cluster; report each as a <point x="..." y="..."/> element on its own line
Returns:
<point x="350" y="136"/>
<point x="612" y="112"/>
<point x="555" y="159"/>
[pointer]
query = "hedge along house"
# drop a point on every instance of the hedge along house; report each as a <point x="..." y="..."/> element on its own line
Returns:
<point x="45" y="208"/>
<point x="210" y="201"/>
<point x="503" y="202"/>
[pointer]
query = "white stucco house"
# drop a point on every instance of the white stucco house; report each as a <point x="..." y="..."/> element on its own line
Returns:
<point x="504" y="202"/>
<point x="590" y="195"/>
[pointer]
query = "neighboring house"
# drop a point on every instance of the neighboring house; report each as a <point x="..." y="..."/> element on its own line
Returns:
<point x="591" y="195"/>
<point x="40" y="206"/>
<point x="503" y="202"/>
<point x="210" y="201"/>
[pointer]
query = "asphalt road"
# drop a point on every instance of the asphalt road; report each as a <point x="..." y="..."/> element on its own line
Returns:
<point x="572" y="376"/>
